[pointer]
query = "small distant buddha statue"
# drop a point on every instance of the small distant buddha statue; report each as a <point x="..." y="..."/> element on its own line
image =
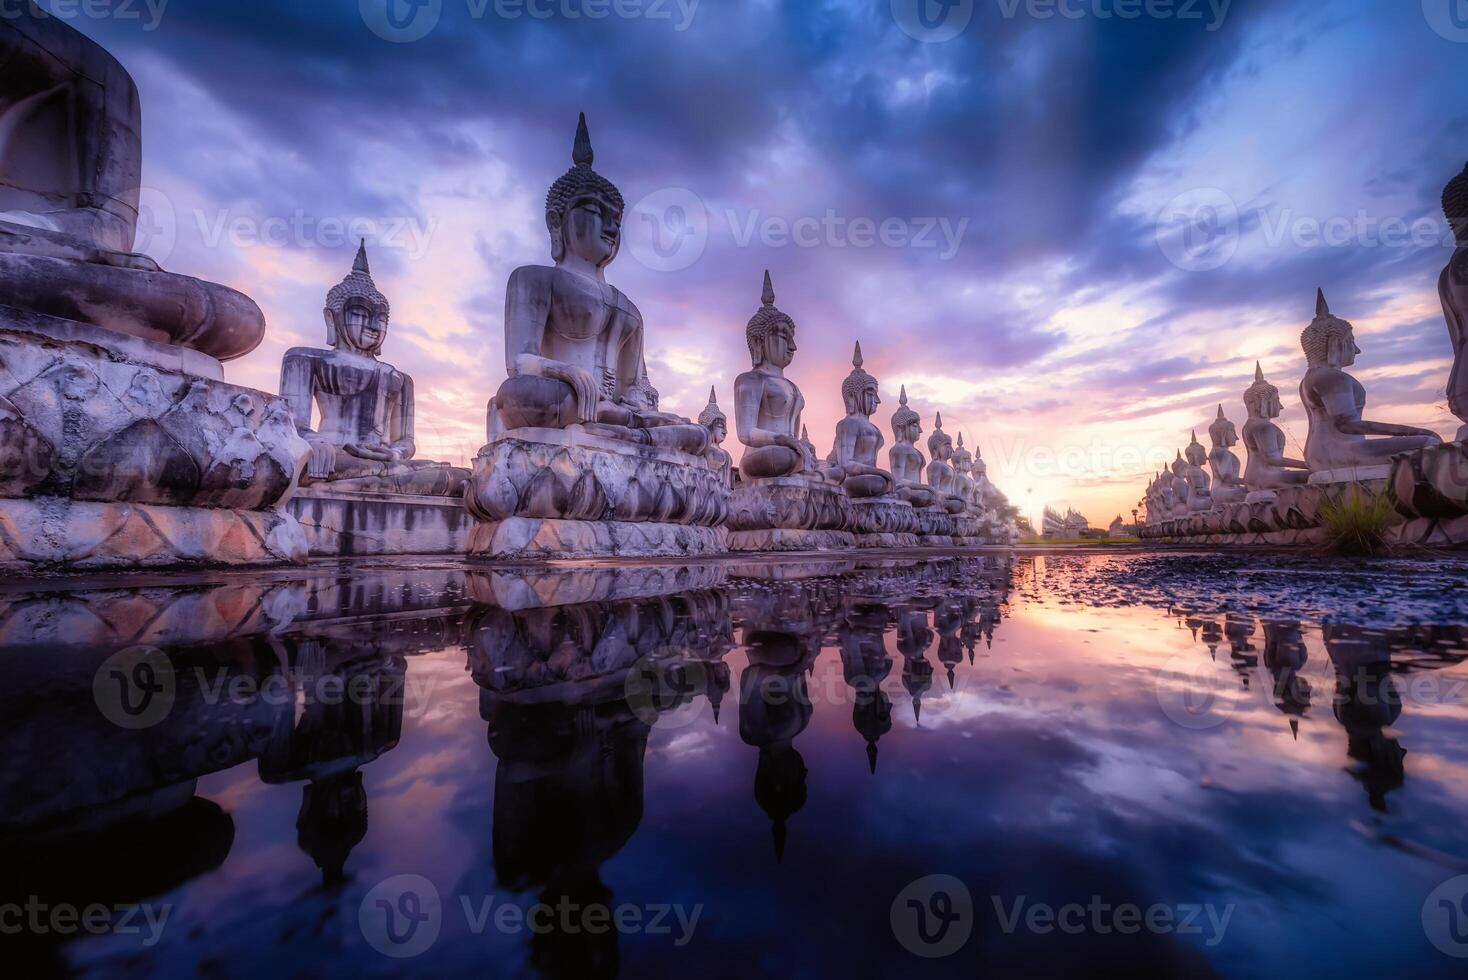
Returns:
<point x="1200" y="488"/>
<point x="1228" y="487"/>
<point x="1182" y="487"/>
<point x="1340" y="439"/>
<point x="767" y="405"/>
<point x="712" y="418"/>
<point x="1452" y="287"/>
<point x="573" y="342"/>
<point x="857" y="439"/>
<point x="365" y="437"/>
<point x="963" y="463"/>
<point x="906" y="460"/>
<point x="1166" y="497"/>
<point x="1268" y="468"/>
<point x="941" y="476"/>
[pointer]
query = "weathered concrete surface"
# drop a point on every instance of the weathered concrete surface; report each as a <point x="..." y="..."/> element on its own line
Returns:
<point x="346" y="524"/>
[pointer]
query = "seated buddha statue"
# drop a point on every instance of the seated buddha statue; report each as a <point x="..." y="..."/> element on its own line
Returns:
<point x="1340" y="438"/>
<point x="905" y="458"/>
<point x="573" y="342"/>
<point x="963" y="465"/>
<point x="1452" y="288"/>
<point x="767" y="405"/>
<point x="941" y="476"/>
<point x="1268" y="467"/>
<point x="364" y="439"/>
<point x="1200" y="488"/>
<point x="1182" y="487"/>
<point x="857" y="439"/>
<point x="712" y="418"/>
<point x="70" y="184"/>
<point x="1228" y="486"/>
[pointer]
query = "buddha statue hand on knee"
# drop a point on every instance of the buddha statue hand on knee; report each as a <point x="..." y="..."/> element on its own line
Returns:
<point x="573" y="342"/>
<point x="767" y="405"/>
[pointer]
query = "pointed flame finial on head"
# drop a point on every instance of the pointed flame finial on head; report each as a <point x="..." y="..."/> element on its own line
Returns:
<point x="960" y="440"/>
<point x="1194" y="436"/>
<point x="768" y="296"/>
<point x="360" y="265"/>
<point x="902" y="397"/>
<point x="714" y="397"/>
<point x="856" y="356"/>
<point x="1258" y="371"/>
<point x="1322" y="308"/>
<point x="581" y="153"/>
<point x="938" y="420"/>
<point x="1220" y="411"/>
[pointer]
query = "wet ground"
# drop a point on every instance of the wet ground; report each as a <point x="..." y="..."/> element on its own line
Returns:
<point x="1075" y="763"/>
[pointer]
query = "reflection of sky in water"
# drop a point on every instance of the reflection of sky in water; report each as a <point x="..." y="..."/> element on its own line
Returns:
<point x="1052" y="769"/>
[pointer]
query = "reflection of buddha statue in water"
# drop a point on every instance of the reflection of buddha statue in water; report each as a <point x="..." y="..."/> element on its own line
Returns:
<point x="865" y="665"/>
<point x="573" y="343"/>
<point x="767" y="406"/>
<point x="905" y="458"/>
<point x="1284" y="657"/>
<point x="1339" y="437"/>
<point x="913" y="639"/>
<point x="857" y="439"/>
<point x="1228" y="486"/>
<point x="1268" y="468"/>
<point x="364" y="439"/>
<point x="1367" y="701"/>
<point x="1452" y="288"/>
<point x="775" y="707"/>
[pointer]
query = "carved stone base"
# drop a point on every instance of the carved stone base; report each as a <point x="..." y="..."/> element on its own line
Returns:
<point x="340" y="523"/>
<point x="534" y="538"/>
<point x="1350" y="474"/>
<point x="887" y="541"/>
<point x="874" y="518"/>
<point x="49" y="532"/>
<point x="1431" y="482"/>
<point x="790" y="539"/>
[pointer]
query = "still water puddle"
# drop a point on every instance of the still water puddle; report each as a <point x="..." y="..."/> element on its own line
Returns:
<point x="851" y="768"/>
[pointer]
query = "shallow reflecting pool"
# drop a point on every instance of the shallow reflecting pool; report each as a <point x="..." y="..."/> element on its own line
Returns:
<point x="1184" y="765"/>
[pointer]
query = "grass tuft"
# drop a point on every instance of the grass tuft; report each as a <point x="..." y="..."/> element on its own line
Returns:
<point x="1356" y="523"/>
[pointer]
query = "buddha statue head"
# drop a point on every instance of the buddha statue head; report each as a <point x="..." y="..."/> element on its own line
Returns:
<point x="641" y="396"/>
<point x="1196" y="454"/>
<point x="1455" y="206"/>
<point x="770" y="333"/>
<point x="583" y="210"/>
<point x="1328" y="341"/>
<point x="1262" y="398"/>
<point x="1179" y="465"/>
<point x="713" y="419"/>
<point x="859" y="390"/>
<point x="356" y="311"/>
<point x="907" y="425"/>
<point x="940" y="446"/>
<point x="963" y="460"/>
<point x="1222" y="431"/>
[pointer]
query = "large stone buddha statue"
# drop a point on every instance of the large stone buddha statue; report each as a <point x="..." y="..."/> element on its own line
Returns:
<point x="767" y="405"/>
<point x="1340" y="439"/>
<point x="580" y="462"/>
<point x="1268" y="468"/>
<point x="364" y="438"/>
<point x="573" y="342"/>
<point x="906" y="460"/>
<point x="1452" y="288"/>
<point x="857" y="439"/>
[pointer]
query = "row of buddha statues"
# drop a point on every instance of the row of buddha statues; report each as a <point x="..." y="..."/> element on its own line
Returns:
<point x="581" y="460"/>
<point x="124" y="446"/>
<point x="1342" y="446"/>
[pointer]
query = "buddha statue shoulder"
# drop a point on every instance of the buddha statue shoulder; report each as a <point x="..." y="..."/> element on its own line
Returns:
<point x="1452" y="288"/>
<point x="1268" y="467"/>
<point x="1340" y="438"/>
<point x="906" y="460"/>
<point x="364" y="438"/>
<point x="858" y="440"/>
<point x="1228" y="484"/>
<point x="767" y="405"/>
<point x="574" y="342"/>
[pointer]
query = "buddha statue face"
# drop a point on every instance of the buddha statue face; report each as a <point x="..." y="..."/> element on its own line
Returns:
<point x="718" y="432"/>
<point x="590" y="230"/>
<point x="1222" y="431"/>
<point x="1196" y="454"/>
<point x="779" y="344"/>
<point x="1262" y="398"/>
<point x="356" y="312"/>
<point x="909" y="431"/>
<point x="362" y="328"/>
<point x="1329" y="341"/>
